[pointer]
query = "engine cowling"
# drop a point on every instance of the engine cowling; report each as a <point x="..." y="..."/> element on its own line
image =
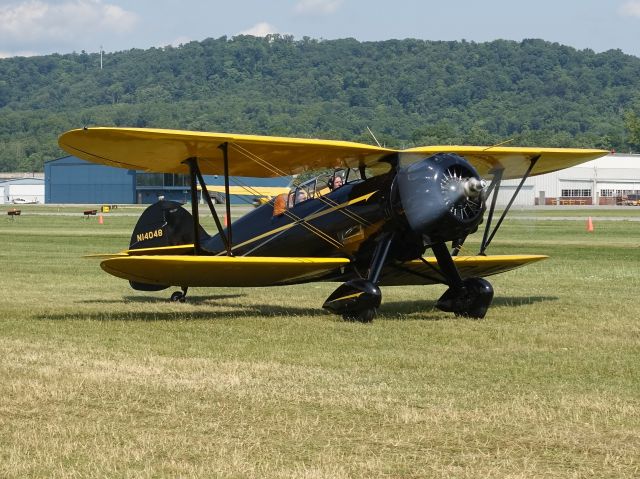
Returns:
<point x="442" y="196"/>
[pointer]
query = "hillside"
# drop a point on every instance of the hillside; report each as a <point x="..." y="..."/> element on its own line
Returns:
<point x="407" y="91"/>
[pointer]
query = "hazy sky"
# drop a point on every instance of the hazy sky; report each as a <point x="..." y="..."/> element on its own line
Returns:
<point x="32" y="27"/>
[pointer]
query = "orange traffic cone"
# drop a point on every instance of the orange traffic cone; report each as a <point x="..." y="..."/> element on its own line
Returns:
<point x="100" y="220"/>
<point x="589" y="225"/>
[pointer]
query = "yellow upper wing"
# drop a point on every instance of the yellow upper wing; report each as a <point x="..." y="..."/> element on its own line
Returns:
<point x="266" y="156"/>
<point x="249" y="155"/>
<point x="514" y="160"/>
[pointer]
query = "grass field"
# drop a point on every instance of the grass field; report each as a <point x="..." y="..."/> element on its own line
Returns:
<point x="99" y="380"/>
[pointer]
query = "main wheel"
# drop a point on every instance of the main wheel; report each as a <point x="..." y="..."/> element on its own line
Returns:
<point x="478" y="299"/>
<point x="470" y="301"/>
<point x="362" y="316"/>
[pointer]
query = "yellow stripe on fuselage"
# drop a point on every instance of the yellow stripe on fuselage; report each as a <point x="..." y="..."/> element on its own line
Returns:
<point x="306" y="219"/>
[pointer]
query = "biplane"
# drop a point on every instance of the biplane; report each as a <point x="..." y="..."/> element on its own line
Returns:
<point x="369" y="230"/>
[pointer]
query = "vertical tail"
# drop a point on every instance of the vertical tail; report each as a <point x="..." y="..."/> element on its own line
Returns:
<point x="165" y="223"/>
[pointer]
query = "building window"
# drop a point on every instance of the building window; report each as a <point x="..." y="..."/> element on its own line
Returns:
<point x="576" y="193"/>
<point x="162" y="179"/>
<point x="609" y="193"/>
<point x="149" y="179"/>
<point x="181" y="180"/>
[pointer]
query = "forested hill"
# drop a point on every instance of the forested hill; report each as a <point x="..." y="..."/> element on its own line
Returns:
<point x="408" y="92"/>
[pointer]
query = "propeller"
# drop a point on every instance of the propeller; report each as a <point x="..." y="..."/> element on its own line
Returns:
<point x="442" y="196"/>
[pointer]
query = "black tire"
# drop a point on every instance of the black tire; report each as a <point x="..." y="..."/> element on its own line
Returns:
<point x="479" y="297"/>
<point x="177" y="296"/>
<point x="362" y="316"/>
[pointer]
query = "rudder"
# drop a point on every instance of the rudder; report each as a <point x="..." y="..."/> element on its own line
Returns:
<point x="164" y="223"/>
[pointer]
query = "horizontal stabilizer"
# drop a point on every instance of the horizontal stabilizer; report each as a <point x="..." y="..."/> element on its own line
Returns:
<point x="270" y="191"/>
<point x="105" y="255"/>
<point x="160" y="250"/>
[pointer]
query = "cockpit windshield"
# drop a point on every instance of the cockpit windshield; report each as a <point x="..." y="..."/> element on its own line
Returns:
<point x="320" y="185"/>
<point x="324" y="183"/>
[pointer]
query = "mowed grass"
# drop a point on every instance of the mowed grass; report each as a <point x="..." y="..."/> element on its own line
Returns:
<point x="97" y="379"/>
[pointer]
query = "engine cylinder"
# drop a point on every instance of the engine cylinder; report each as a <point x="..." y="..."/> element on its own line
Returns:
<point x="442" y="196"/>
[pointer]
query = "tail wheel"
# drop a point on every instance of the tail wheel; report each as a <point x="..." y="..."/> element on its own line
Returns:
<point x="180" y="296"/>
<point x="177" y="296"/>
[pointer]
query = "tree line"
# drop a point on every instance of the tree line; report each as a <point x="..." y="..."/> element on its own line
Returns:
<point x="409" y="92"/>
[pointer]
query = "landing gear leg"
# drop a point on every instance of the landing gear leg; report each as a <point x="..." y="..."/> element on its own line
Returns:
<point x="359" y="299"/>
<point x="180" y="296"/>
<point x="470" y="297"/>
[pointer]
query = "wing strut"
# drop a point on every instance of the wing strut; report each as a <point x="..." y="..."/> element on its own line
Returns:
<point x="225" y="152"/>
<point x="196" y="176"/>
<point x="193" y="168"/>
<point x="495" y="187"/>
<point x="498" y="176"/>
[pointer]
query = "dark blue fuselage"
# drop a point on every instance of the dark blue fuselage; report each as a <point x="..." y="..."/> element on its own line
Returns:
<point x="335" y="224"/>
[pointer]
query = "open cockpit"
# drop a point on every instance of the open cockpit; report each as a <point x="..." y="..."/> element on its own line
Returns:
<point x="319" y="186"/>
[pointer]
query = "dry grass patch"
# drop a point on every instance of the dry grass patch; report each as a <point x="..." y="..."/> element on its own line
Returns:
<point x="98" y="380"/>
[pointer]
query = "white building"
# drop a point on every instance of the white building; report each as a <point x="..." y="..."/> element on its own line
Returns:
<point x="608" y="180"/>
<point x="22" y="190"/>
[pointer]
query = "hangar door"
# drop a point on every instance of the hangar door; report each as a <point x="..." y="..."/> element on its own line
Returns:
<point x="526" y="195"/>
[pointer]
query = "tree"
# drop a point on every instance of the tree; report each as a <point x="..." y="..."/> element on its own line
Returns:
<point x="409" y="92"/>
<point x="632" y="125"/>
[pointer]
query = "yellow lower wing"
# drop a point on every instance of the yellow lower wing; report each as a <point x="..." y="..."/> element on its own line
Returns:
<point x="182" y="270"/>
<point x="416" y="272"/>
<point x="179" y="270"/>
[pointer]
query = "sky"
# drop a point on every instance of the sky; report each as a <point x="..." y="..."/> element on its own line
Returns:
<point x="40" y="27"/>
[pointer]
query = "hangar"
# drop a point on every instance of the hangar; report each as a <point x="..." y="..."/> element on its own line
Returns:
<point x="72" y="180"/>
<point x="611" y="180"/>
<point x="22" y="190"/>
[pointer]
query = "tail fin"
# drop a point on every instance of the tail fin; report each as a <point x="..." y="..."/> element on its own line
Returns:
<point x="165" y="223"/>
